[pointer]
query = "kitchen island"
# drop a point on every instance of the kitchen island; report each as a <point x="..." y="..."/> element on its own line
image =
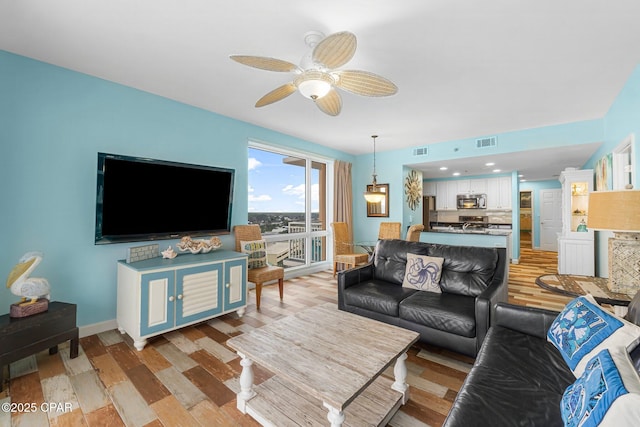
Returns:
<point x="492" y="238"/>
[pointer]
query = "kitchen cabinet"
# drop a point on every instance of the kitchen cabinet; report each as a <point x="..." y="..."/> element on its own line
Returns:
<point x="472" y="186"/>
<point x="429" y="188"/>
<point x="576" y="253"/>
<point x="446" y="192"/>
<point x="499" y="193"/>
<point x="159" y="295"/>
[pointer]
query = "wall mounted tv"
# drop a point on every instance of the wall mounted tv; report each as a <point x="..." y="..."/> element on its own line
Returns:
<point x="141" y="199"/>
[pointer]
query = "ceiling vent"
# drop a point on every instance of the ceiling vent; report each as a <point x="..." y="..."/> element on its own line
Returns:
<point x="422" y="151"/>
<point x="491" y="141"/>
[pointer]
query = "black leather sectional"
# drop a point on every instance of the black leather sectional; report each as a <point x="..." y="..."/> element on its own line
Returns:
<point x="473" y="280"/>
<point x="518" y="377"/>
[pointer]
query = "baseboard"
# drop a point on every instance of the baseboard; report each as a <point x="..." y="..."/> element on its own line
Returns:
<point x="515" y="260"/>
<point x="96" y="328"/>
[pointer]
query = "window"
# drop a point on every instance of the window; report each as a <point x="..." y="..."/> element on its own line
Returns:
<point x="288" y="199"/>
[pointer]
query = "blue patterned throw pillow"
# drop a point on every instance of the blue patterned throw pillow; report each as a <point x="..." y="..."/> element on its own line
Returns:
<point x="607" y="393"/>
<point x="423" y="273"/>
<point x="583" y="328"/>
<point x="257" y="250"/>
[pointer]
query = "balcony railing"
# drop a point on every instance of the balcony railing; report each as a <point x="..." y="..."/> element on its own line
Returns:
<point x="297" y="246"/>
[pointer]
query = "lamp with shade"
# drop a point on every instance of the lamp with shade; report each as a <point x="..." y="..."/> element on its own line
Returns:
<point x="619" y="211"/>
<point x="374" y="195"/>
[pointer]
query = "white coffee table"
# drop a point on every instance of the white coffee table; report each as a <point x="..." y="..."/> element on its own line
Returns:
<point x="323" y="357"/>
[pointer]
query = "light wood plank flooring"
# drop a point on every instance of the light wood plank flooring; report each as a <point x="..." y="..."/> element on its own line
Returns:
<point x="189" y="377"/>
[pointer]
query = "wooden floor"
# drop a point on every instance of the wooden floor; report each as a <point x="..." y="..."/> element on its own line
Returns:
<point x="189" y="377"/>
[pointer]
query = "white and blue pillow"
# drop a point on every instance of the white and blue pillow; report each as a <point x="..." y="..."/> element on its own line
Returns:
<point x="423" y="273"/>
<point x="583" y="328"/>
<point x="257" y="250"/>
<point x="606" y="394"/>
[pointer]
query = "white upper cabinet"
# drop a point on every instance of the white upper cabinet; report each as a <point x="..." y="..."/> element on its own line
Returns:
<point x="499" y="193"/>
<point x="446" y="192"/>
<point x="429" y="188"/>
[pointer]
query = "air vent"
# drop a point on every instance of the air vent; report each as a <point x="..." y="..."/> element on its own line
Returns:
<point x="422" y="151"/>
<point x="491" y="141"/>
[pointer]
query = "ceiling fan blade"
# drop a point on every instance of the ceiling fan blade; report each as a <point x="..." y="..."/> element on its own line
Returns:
<point x="276" y="95"/>
<point x="265" y="63"/>
<point x="335" y="50"/>
<point x="365" y="83"/>
<point x="331" y="103"/>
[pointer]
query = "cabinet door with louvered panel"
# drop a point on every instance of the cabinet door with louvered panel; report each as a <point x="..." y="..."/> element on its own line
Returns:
<point x="198" y="292"/>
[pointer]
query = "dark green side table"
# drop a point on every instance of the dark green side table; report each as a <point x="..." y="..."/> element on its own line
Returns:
<point x="22" y="337"/>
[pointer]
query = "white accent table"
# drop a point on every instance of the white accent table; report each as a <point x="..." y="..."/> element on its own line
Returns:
<point x="322" y="355"/>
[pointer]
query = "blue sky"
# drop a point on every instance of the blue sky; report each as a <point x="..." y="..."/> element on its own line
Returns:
<point x="277" y="187"/>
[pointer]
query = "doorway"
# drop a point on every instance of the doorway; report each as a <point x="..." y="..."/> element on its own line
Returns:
<point x="550" y="218"/>
<point x="526" y="219"/>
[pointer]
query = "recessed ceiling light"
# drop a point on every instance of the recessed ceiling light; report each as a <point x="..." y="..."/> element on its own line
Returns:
<point x="520" y="176"/>
<point x="443" y="168"/>
<point x="489" y="164"/>
<point x="523" y="180"/>
<point x="496" y="170"/>
<point x="456" y="173"/>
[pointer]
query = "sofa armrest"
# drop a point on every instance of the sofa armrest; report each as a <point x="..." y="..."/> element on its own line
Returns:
<point x="528" y="320"/>
<point x="353" y="276"/>
<point x="485" y="306"/>
<point x="497" y="291"/>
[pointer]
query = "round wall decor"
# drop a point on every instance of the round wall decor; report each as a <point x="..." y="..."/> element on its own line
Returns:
<point x="413" y="189"/>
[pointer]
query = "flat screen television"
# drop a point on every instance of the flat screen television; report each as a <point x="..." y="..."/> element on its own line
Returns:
<point x="140" y="199"/>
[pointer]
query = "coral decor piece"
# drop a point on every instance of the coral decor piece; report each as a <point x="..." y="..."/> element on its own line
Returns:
<point x="169" y="253"/>
<point x="35" y="291"/>
<point x="199" y="246"/>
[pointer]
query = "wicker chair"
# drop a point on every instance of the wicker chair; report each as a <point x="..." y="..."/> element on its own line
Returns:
<point x="343" y="248"/>
<point x="263" y="274"/>
<point x="389" y="230"/>
<point x="413" y="234"/>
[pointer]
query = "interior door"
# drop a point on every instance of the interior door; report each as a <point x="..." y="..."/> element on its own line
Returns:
<point x="550" y="218"/>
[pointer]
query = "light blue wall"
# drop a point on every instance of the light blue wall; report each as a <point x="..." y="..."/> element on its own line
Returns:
<point x="52" y="124"/>
<point x="622" y="119"/>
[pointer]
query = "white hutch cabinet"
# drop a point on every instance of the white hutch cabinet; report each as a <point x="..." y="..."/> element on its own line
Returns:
<point x="159" y="295"/>
<point x="576" y="247"/>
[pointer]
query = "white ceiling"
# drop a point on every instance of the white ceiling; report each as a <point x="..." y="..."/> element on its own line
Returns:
<point x="464" y="68"/>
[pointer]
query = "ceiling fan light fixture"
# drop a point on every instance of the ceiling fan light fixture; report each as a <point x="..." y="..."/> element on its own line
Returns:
<point x="314" y="84"/>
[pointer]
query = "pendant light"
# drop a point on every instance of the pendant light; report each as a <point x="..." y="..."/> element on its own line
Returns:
<point x="374" y="196"/>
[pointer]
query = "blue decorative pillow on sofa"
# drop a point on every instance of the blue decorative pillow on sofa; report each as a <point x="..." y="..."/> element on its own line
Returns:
<point x="583" y="328"/>
<point x="606" y="394"/>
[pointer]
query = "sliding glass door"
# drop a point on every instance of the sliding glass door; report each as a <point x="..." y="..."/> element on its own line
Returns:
<point x="288" y="199"/>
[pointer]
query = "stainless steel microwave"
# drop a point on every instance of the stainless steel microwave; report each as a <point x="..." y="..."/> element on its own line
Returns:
<point x="471" y="201"/>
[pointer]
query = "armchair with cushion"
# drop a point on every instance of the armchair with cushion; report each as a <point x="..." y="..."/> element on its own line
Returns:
<point x="249" y="240"/>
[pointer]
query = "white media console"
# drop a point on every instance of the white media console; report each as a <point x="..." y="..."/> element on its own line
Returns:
<point x="159" y="295"/>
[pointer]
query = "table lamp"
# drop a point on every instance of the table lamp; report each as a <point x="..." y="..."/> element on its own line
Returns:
<point x="619" y="211"/>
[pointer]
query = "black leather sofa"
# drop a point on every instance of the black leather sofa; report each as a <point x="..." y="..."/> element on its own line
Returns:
<point x="473" y="280"/>
<point x="518" y="377"/>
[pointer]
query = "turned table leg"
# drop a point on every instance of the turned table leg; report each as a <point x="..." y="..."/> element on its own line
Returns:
<point x="246" y="383"/>
<point x="400" y="374"/>
<point x="335" y="416"/>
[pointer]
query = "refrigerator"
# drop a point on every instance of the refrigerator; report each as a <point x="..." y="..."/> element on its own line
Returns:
<point x="429" y="213"/>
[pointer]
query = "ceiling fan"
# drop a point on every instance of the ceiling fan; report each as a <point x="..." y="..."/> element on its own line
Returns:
<point x="317" y="78"/>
